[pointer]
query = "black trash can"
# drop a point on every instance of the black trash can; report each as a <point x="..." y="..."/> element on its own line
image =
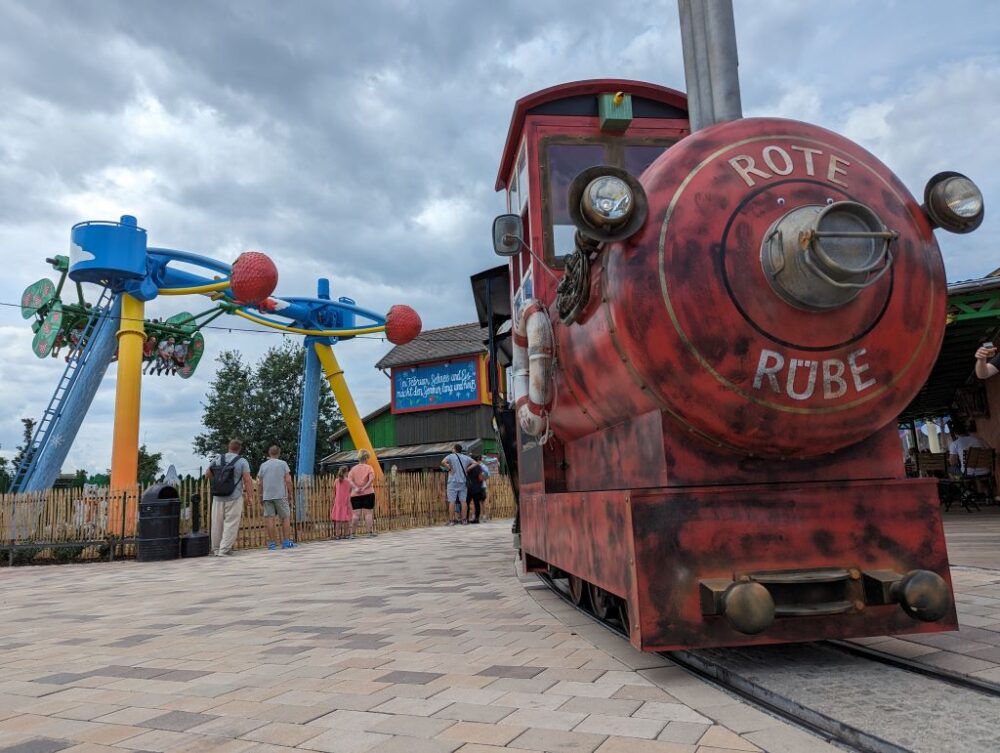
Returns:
<point x="158" y="537"/>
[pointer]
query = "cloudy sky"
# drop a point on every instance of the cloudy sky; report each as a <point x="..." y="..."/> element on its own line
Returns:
<point x="360" y="141"/>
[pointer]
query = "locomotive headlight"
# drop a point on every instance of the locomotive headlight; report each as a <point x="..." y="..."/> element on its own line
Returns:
<point x="954" y="203"/>
<point x="606" y="203"/>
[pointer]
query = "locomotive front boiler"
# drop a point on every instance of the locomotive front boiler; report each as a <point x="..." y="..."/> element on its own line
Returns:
<point x="707" y="410"/>
<point x="784" y="299"/>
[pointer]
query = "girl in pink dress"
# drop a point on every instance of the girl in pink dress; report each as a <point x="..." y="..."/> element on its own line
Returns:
<point x="340" y="510"/>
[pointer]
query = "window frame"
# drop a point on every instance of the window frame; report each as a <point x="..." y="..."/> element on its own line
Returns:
<point x="614" y="154"/>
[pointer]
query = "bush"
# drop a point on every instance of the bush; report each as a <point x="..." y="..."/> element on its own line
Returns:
<point x="66" y="553"/>
<point x="23" y="556"/>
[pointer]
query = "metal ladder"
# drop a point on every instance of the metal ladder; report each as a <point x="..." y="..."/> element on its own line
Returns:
<point x="100" y="317"/>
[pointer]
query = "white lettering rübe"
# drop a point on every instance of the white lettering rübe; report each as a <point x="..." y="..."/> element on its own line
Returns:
<point x="796" y="377"/>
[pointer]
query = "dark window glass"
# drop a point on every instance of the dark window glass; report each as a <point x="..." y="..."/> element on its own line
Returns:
<point x="566" y="161"/>
<point x="638" y="158"/>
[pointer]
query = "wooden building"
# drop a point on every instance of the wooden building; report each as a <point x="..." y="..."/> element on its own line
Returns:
<point x="439" y="395"/>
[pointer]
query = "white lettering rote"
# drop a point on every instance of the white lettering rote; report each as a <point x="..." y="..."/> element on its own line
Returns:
<point x="768" y="155"/>
<point x="781" y="161"/>
<point x="747" y="168"/>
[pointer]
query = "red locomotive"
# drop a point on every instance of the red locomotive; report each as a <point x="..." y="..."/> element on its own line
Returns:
<point x="712" y="336"/>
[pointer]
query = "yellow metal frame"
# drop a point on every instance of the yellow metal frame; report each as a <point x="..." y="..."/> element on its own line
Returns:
<point x="194" y="290"/>
<point x="128" y="395"/>
<point x="128" y="391"/>
<point x="355" y="426"/>
<point x="313" y="332"/>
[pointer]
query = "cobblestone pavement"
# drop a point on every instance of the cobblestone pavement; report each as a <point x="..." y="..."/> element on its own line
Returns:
<point x="974" y="552"/>
<point x="422" y="641"/>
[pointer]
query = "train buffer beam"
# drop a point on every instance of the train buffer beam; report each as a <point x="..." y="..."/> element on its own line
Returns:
<point x="752" y="601"/>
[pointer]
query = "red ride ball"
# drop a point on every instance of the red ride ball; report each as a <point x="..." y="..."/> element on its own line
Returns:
<point x="402" y="324"/>
<point x="253" y="278"/>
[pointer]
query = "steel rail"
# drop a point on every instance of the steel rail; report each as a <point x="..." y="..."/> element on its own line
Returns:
<point x="899" y="662"/>
<point x="820" y="724"/>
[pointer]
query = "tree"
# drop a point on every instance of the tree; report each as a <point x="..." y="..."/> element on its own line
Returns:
<point x="261" y="406"/>
<point x="227" y="410"/>
<point x="149" y="465"/>
<point x="5" y="475"/>
<point x="28" y="433"/>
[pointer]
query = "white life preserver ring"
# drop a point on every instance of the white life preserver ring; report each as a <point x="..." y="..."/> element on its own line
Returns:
<point x="532" y="362"/>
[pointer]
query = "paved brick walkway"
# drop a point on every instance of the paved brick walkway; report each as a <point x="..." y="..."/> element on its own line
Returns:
<point x="418" y="642"/>
<point x="974" y="552"/>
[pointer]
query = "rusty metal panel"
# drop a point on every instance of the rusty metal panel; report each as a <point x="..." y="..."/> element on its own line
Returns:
<point x="586" y="535"/>
<point x="627" y="455"/>
<point x="692" y="461"/>
<point x="685" y="537"/>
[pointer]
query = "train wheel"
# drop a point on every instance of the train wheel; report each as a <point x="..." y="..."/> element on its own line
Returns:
<point x="602" y="603"/>
<point x="577" y="590"/>
<point x="623" y="616"/>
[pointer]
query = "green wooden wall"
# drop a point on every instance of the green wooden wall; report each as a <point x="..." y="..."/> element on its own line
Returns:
<point x="381" y="431"/>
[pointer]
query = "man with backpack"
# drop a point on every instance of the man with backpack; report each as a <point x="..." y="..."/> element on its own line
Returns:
<point x="457" y="464"/>
<point x="229" y="476"/>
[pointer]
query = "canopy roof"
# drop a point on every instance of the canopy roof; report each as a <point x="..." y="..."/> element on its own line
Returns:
<point x="973" y="318"/>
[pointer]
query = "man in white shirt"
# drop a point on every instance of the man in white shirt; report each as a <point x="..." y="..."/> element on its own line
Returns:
<point x="960" y="444"/>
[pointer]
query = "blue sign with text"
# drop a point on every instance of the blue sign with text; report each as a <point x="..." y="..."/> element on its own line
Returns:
<point x="435" y="386"/>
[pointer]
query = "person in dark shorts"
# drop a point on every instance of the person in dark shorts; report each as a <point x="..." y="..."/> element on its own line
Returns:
<point x="457" y="465"/>
<point x="362" y="479"/>
<point x="477" y="488"/>
<point x="274" y="479"/>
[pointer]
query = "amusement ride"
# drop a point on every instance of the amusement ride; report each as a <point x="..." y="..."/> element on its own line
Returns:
<point x="89" y="336"/>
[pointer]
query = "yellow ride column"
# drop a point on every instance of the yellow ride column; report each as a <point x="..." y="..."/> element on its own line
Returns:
<point x="125" y="447"/>
<point x="355" y="426"/>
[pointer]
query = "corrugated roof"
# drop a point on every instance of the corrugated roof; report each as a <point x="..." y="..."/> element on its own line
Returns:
<point x="438" y="344"/>
<point x="389" y="454"/>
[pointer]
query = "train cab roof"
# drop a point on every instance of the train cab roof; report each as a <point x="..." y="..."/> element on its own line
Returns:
<point x="580" y="98"/>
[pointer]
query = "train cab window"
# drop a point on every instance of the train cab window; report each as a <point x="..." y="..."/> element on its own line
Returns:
<point x="565" y="162"/>
<point x="517" y="191"/>
<point x="637" y="157"/>
<point x="522" y="182"/>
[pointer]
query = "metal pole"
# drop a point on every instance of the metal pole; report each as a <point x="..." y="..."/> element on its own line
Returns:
<point x="723" y="62"/>
<point x="492" y="374"/>
<point x="708" y="41"/>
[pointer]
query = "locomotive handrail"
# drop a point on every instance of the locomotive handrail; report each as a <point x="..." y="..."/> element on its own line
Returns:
<point x="885" y="258"/>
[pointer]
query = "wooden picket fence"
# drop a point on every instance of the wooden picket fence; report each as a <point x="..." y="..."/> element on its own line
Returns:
<point x="71" y="524"/>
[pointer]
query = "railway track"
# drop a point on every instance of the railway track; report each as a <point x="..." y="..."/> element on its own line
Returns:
<point x="850" y="695"/>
